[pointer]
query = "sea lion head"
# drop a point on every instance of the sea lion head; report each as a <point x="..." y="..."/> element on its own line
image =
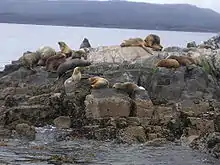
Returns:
<point x="76" y="70"/>
<point x="61" y="43"/>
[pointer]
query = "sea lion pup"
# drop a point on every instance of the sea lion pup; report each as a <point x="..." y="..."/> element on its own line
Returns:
<point x="29" y="59"/>
<point x="76" y="76"/>
<point x="128" y="87"/>
<point x="136" y="42"/>
<point x="168" y="63"/>
<point x="153" y="41"/>
<point x="45" y="52"/>
<point x="69" y="64"/>
<point x="81" y="53"/>
<point x="98" y="82"/>
<point x="65" y="49"/>
<point x="183" y="60"/>
<point x="53" y="62"/>
<point x="85" y="44"/>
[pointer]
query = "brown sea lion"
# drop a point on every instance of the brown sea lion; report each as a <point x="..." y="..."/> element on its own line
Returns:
<point x="153" y="41"/>
<point x="85" y="44"/>
<point x="45" y="53"/>
<point x="53" y="62"/>
<point x="76" y="76"/>
<point x="168" y="63"/>
<point x="29" y="60"/>
<point x="99" y="82"/>
<point x="70" y="64"/>
<point x="65" y="49"/>
<point x="136" y="42"/>
<point x="183" y="60"/>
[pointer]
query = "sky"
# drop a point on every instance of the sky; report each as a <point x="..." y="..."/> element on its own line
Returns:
<point x="212" y="4"/>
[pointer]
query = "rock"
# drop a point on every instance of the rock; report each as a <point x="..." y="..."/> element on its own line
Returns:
<point x="201" y="126"/>
<point x="143" y="104"/>
<point x="4" y="133"/>
<point x="25" y="131"/>
<point x="133" y="121"/>
<point x="107" y="103"/>
<point x="116" y="54"/>
<point x="217" y="123"/>
<point x="132" y="134"/>
<point x="62" y="122"/>
<point x="191" y="44"/>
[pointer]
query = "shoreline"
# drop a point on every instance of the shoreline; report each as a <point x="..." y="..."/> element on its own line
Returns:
<point x="114" y="27"/>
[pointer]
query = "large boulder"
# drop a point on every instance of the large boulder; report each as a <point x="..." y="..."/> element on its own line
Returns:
<point x="107" y="103"/>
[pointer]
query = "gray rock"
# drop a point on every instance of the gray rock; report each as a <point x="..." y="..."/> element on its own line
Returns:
<point x="62" y="122"/>
<point x="25" y="131"/>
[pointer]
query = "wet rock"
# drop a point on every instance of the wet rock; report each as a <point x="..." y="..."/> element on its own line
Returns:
<point x="132" y="134"/>
<point x="25" y="131"/>
<point x="4" y="133"/>
<point x="121" y="122"/>
<point x="36" y="114"/>
<point x="200" y="126"/>
<point x="62" y="122"/>
<point x="107" y="103"/>
<point x="157" y="142"/>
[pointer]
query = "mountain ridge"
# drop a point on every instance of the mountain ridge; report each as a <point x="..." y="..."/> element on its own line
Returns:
<point x="111" y="14"/>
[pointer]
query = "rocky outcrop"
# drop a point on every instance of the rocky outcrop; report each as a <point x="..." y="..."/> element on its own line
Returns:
<point x="178" y="104"/>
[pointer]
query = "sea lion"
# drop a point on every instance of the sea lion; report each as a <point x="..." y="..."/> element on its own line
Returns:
<point x="65" y="49"/>
<point x="128" y="87"/>
<point x="69" y="64"/>
<point x="85" y="44"/>
<point x="153" y="41"/>
<point x="29" y="59"/>
<point x="183" y="60"/>
<point x="136" y="42"/>
<point x="45" y="53"/>
<point x="98" y="82"/>
<point x="53" y="62"/>
<point x="81" y="53"/>
<point x="76" y="76"/>
<point x="168" y="63"/>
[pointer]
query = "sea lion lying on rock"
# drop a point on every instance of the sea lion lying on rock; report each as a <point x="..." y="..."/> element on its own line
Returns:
<point x="153" y="41"/>
<point x="76" y="76"/>
<point x="65" y="49"/>
<point x="98" y="82"/>
<point x="85" y="44"/>
<point x="128" y="87"/>
<point x="136" y="42"/>
<point x="183" y="60"/>
<point x="168" y="63"/>
<point x="70" y="64"/>
<point x="45" y="53"/>
<point x="29" y="59"/>
<point x="53" y="62"/>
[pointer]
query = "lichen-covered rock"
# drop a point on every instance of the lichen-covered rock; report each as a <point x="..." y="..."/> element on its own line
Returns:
<point x="25" y="131"/>
<point x="132" y="134"/>
<point x="107" y="103"/>
<point x="62" y="122"/>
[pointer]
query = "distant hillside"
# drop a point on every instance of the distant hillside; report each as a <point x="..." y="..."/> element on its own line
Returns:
<point x="118" y="14"/>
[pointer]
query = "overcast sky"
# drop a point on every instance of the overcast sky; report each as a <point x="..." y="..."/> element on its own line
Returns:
<point x="212" y="4"/>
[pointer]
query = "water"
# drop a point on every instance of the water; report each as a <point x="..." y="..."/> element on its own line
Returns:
<point x="17" y="38"/>
<point x="91" y="152"/>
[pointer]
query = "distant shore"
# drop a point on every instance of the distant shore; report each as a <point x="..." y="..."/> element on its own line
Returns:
<point x="117" y="27"/>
